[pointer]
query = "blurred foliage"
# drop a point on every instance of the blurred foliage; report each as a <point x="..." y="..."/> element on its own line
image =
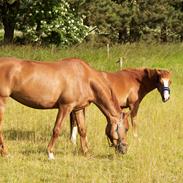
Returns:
<point x="46" y="22"/>
<point x="134" y="20"/>
<point x="67" y="22"/>
<point x="50" y="22"/>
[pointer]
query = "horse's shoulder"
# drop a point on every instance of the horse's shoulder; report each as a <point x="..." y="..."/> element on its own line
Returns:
<point x="76" y="64"/>
<point x="9" y="62"/>
<point x="74" y="60"/>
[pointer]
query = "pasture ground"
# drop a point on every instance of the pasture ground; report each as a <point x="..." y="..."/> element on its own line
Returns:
<point x="156" y="158"/>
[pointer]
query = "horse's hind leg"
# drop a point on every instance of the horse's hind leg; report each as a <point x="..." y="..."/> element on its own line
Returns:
<point x="3" y="150"/>
<point x="134" y="126"/>
<point x="73" y="128"/>
<point x="80" y="119"/>
<point x="63" y="111"/>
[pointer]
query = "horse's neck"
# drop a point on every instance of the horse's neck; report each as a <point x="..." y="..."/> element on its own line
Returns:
<point x="148" y="82"/>
<point x="105" y="98"/>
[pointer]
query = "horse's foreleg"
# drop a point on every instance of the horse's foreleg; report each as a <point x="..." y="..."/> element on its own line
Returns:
<point x="134" y="126"/>
<point x="63" y="111"/>
<point x="80" y="119"/>
<point x="126" y="123"/>
<point x="133" y="116"/>
<point x="3" y="150"/>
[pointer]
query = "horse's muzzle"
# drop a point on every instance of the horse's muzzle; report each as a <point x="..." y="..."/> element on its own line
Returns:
<point x="122" y="148"/>
<point x="166" y="94"/>
<point x="165" y="99"/>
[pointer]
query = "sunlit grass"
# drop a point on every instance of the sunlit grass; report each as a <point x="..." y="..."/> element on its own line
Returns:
<point x="157" y="157"/>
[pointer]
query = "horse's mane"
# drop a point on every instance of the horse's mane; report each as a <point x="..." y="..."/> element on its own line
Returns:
<point x="146" y="71"/>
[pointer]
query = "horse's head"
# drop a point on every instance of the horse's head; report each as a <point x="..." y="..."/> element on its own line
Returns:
<point x="117" y="134"/>
<point x="163" y="84"/>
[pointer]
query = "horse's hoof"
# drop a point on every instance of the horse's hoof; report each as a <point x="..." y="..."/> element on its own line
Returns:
<point x="135" y="135"/>
<point x="85" y="153"/>
<point x="74" y="135"/>
<point x="51" y="156"/>
<point x="73" y="141"/>
<point x="3" y="153"/>
<point x="139" y="139"/>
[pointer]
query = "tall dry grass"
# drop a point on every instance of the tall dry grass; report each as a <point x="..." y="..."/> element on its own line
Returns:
<point x="157" y="157"/>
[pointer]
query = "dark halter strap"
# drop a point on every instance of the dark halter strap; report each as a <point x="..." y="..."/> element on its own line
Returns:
<point x="119" y="125"/>
<point x="121" y="143"/>
<point x="166" y="89"/>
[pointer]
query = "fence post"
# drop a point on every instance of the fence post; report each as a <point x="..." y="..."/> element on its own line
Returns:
<point x="108" y="51"/>
<point x="120" y="62"/>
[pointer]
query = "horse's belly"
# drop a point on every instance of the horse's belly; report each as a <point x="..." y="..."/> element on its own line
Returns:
<point x="37" y="102"/>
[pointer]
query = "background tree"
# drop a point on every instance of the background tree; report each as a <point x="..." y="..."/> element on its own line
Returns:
<point x="134" y="20"/>
<point x="177" y="20"/>
<point x="50" y="22"/>
<point x="42" y="21"/>
<point x="66" y="22"/>
<point x="103" y="15"/>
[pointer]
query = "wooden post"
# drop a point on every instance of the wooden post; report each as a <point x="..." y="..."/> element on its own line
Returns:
<point x="120" y="62"/>
<point x="108" y="50"/>
<point x="52" y="49"/>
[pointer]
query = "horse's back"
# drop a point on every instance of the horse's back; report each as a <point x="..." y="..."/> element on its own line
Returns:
<point x="44" y="84"/>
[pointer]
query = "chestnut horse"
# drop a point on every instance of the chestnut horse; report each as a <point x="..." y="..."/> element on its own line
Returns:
<point x="130" y="87"/>
<point x="68" y="85"/>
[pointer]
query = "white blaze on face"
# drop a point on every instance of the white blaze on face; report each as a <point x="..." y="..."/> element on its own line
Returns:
<point x="166" y="92"/>
<point x="74" y="135"/>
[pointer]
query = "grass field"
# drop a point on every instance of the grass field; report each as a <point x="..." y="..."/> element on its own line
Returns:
<point x="156" y="158"/>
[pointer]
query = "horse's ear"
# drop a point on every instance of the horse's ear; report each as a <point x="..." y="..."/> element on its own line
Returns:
<point x="148" y="72"/>
<point x="158" y="71"/>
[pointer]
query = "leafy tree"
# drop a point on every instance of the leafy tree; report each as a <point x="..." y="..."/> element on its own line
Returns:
<point x="103" y="15"/>
<point x="177" y="19"/>
<point x="42" y="21"/>
<point x="50" y="22"/>
<point x="66" y="22"/>
<point x="132" y="20"/>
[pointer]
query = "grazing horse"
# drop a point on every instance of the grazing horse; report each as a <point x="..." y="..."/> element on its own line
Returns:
<point x="130" y="87"/>
<point x="68" y="85"/>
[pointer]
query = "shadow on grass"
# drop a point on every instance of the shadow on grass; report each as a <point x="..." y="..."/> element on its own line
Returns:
<point x="19" y="135"/>
<point x="105" y="156"/>
<point x="91" y="155"/>
<point x="41" y="150"/>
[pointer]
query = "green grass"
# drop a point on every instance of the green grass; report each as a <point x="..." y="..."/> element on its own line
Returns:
<point x="157" y="158"/>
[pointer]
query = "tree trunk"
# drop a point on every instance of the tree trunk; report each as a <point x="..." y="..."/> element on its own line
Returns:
<point x="9" y="15"/>
<point x="181" y="37"/>
<point x="135" y="34"/>
<point x="163" y="35"/>
<point x="123" y="35"/>
<point x="8" y="32"/>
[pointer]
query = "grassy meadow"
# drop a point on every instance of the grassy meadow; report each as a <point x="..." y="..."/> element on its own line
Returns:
<point x="156" y="158"/>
